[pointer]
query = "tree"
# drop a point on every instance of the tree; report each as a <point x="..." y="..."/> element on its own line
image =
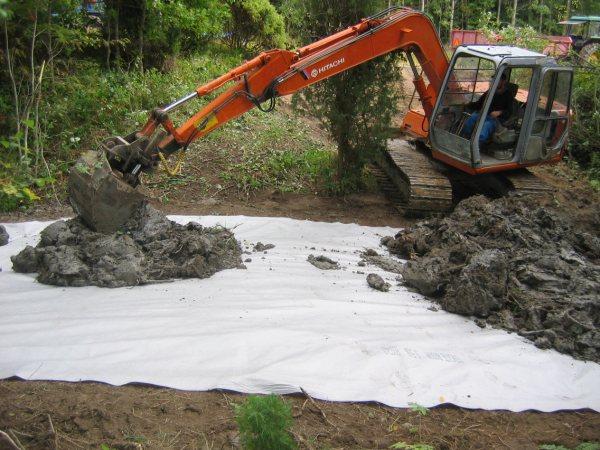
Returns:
<point x="151" y="31"/>
<point x="583" y="142"/>
<point x="254" y="25"/>
<point x="355" y="106"/>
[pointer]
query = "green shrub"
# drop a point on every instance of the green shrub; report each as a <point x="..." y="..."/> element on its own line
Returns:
<point x="357" y="105"/>
<point x="255" y="25"/>
<point x="83" y="104"/>
<point x="585" y="133"/>
<point x="264" y="423"/>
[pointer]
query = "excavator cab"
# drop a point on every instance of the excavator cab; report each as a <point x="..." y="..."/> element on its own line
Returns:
<point x="529" y="128"/>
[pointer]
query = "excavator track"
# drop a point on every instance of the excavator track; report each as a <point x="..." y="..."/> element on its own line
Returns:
<point x="525" y="182"/>
<point x="419" y="186"/>
<point x="411" y="181"/>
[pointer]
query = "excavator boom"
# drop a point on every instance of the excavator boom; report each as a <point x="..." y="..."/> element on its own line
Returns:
<point x="280" y="72"/>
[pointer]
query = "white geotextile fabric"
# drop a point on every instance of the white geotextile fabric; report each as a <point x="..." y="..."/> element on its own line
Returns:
<point x="280" y="325"/>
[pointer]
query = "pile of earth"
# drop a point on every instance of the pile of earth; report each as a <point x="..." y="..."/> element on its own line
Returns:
<point x="526" y="268"/>
<point x="3" y="236"/>
<point x="147" y="248"/>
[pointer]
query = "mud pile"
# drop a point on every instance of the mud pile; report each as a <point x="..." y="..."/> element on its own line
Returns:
<point x="323" y="262"/>
<point x="3" y="236"/>
<point x="376" y="282"/>
<point x="147" y="248"/>
<point x="522" y="267"/>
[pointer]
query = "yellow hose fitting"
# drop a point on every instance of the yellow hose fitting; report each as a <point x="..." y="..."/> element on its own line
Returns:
<point x="176" y="169"/>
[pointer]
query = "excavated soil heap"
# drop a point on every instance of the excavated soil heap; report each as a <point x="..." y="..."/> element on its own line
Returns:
<point x="147" y="248"/>
<point x="517" y="265"/>
<point x="3" y="236"/>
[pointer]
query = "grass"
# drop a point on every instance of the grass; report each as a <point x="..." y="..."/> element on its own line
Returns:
<point x="84" y="104"/>
<point x="582" y="446"/>
<point x="278" y="151"/>
<point x="275" y="151"/>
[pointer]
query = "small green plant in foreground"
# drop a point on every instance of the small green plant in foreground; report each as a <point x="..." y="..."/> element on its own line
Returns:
<point x="582" y="446"/>
<point x="421" y="411"/>
<point x="404" y="445"/>
<point x="264" y="423"/>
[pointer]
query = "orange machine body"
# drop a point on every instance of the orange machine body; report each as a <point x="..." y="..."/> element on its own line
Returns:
<point x="281" y="72"/>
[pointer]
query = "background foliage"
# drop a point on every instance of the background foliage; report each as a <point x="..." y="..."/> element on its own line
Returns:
<point x="585" y="133"/>
<point x="75" y="71"/>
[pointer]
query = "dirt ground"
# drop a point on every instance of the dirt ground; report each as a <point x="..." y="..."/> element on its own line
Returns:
<point x="87" y="415"/>
<point x="371" y="209"/>
<point x="42" y="415"/>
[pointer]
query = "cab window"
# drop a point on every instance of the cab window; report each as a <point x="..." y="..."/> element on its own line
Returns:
<point x="469" y="79"/>
<point x="552" y="112"/>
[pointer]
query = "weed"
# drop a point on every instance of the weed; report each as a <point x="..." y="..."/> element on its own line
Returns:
<point x="404" y="445"/>
<point x="135" y="438"/>
<point x="264" y="423"/>
<point x="419" y="409"/>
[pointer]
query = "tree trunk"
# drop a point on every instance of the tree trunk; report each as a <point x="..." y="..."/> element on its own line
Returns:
<point x="29" y="103"/>
<point x="13" y="82"/>
<point x="568" y="10"/>
<point x="451" y="21"/>
<point x="141" y="38"/>
<point x="50" y="44"/>
<point x="499" y="12"/>
<point x="117" y="36"/>
<point x="422" y="5"/>
<point x="513" y="22"/>
<point x="108" y="36"/>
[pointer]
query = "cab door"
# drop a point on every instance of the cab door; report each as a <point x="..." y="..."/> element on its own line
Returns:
<point x="469" y="78"/>
<point x="549" y="116"/>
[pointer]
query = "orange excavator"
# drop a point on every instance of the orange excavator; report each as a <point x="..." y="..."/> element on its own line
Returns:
<point x="454" y="147"/>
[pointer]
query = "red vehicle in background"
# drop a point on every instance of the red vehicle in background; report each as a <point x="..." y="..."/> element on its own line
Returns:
<point x="582" y="36"/>
<point x="558" y="47"/>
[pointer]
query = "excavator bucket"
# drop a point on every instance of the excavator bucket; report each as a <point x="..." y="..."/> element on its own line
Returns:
<point x="101" y="198"/>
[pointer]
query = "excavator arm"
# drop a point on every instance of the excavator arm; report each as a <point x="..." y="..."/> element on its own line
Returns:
<point x="258" y="82"/>
<point x="102" y="184"/>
